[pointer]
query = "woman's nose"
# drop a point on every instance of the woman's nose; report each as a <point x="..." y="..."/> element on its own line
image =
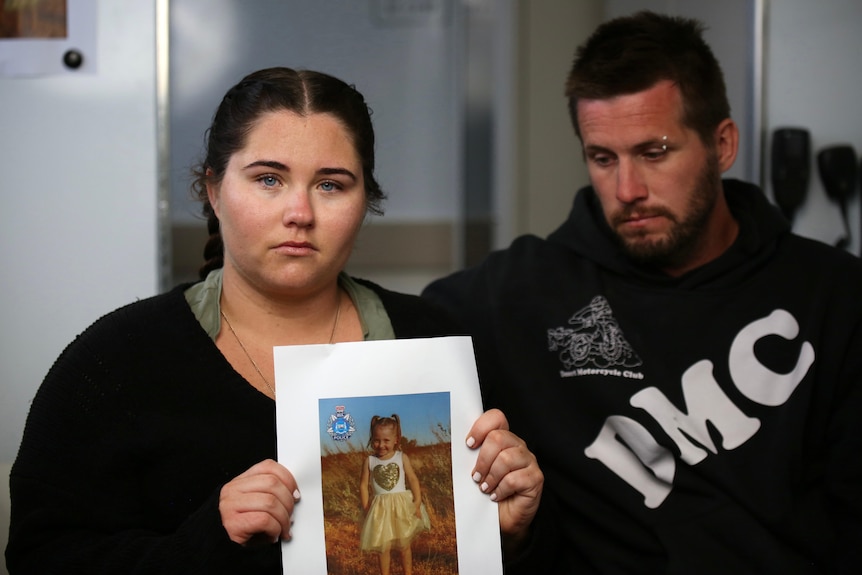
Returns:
<point x="298" y="209"/>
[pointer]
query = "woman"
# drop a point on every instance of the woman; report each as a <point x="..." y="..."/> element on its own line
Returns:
<point x="149" y="447"/>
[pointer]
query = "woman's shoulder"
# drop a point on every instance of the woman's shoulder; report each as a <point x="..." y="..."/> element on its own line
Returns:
<point x="123" y="345"/>
<point x="151" y="310"/>
<point x="413" y="316"/>
<point x="138" y="322"/>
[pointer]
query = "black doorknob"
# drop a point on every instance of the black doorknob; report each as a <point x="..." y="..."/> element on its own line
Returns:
<point x="73" y="59"/>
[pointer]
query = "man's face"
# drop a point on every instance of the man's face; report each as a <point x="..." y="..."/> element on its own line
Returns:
<point x="658" y="183"/>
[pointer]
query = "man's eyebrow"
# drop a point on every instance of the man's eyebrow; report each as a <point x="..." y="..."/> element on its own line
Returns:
<point x="639" y="147"/>
<point x="593" y="148"/>
<point x="652" y="144"/>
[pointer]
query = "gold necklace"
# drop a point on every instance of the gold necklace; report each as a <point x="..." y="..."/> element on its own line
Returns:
<point x="251" y="359"/>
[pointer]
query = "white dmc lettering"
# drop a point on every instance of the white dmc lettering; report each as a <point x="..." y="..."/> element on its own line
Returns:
<point x="631" y="459"/>
<point x="629" y="450"/>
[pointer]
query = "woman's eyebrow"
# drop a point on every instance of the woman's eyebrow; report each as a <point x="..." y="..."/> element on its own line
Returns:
<point x="276" y="165"/>
<point x="267" y="164"/>
<point x="337" y="171"/>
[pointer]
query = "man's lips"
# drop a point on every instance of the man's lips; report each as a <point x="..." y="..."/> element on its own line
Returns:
<point x="638" y="219"/>
<point x="639" y="224"/>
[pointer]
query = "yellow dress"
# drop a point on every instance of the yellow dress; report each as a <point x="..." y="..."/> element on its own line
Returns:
<point x="391" y="517"/>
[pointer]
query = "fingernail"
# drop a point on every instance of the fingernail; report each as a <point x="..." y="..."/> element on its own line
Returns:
<point x="296" y="494"/>
<point x="471" y="441"/>
<point x="484" y="487"/>
<point x="477" y="476"/>
<point x="493" y="497"/>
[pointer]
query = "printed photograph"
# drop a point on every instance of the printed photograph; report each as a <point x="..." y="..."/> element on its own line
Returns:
<point x="33" y="18"/>
<point x="386" y="468"/>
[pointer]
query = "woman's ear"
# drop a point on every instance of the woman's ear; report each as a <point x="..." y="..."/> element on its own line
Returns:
<point x="726" y="143"/>
<point x="212" y="192"/>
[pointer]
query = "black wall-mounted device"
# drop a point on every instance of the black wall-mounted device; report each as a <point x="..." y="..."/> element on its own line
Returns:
<point x="790" y="168"/>
<point x="838" y="167"/>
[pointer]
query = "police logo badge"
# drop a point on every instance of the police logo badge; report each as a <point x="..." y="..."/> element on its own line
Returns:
<point x="340" y="425"/>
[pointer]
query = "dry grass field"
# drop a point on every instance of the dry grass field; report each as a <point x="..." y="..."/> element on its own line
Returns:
<point x="434" y="552"/>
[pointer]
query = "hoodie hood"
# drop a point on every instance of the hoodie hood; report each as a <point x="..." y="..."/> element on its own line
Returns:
<point x="761" y="226"/>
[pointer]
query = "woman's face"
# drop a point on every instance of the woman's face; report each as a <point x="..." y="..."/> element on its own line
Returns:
<point x="290" y="204"/>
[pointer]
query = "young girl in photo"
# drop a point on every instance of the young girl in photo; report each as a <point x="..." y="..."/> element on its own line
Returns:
<point x="395" y="513"/>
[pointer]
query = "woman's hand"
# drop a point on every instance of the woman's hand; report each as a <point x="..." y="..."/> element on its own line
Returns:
<point x="507" y="471"/>
<point x="256" y="506"/>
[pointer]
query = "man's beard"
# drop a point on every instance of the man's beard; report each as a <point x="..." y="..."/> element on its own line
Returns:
<point x="685" y="235"/>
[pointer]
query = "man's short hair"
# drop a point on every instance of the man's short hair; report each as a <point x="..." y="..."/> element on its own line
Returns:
<point x="632" y="53"/>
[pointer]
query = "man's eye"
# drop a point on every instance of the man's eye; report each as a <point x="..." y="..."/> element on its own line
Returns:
<point x="601" y="160"/>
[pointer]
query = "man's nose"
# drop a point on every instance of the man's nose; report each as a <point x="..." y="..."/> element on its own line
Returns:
<point x="630" y="184"/>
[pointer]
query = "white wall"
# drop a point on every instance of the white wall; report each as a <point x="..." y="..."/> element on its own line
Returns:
<point x="547" y="153"/>
<point x="814" y="80"/>
<point x="78" y="190"/>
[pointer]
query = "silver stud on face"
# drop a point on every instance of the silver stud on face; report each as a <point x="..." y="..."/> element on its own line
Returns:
<point x="664" y="146"/>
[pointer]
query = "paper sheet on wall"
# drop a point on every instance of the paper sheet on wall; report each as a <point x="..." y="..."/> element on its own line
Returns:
<point x="48" y="38"/>
<point x="327" y="395"/>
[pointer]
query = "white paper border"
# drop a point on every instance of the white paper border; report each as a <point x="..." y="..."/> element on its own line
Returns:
<point x="306" y="374"/>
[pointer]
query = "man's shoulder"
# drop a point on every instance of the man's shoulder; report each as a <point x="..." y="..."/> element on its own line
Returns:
<point x="527" y="258"/>
<point x="522" y="270"/>
<point x="808" y="252"/>
<point x="388" y="295"/>
<point x="413" y="316"/>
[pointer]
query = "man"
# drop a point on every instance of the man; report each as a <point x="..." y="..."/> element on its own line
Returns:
<point x="686" y="370"/>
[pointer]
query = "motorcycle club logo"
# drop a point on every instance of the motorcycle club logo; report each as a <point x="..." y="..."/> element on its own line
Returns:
<point x="594" y="344"/>
<point x="340" y="425"/>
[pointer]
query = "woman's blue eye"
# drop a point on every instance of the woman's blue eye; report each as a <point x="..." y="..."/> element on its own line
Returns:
<point x="268" y="181"/>
<point x="328" y="186"/>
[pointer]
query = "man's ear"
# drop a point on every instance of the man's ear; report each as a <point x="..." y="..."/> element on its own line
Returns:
<point x="726" y="143"/>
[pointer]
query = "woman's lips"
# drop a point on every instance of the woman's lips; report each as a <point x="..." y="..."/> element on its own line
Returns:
<point x="296" y="248"/>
